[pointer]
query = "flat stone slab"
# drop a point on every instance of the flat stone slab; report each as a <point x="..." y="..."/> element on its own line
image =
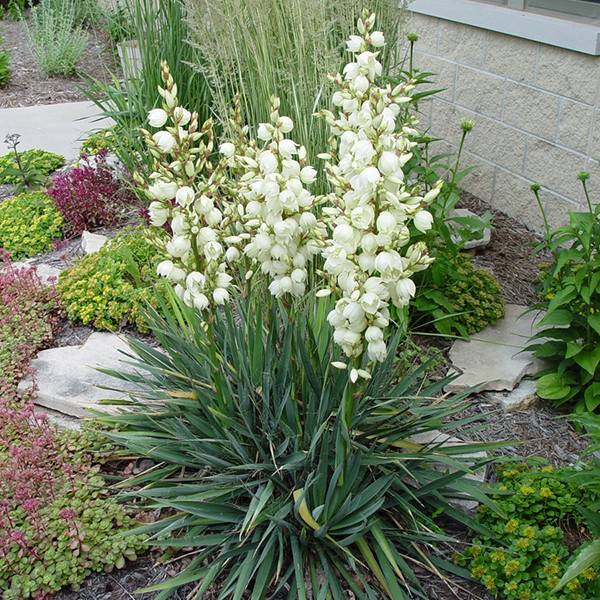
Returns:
<point x="493" y="359"/>
<point x="522" y="397"/>
<point x="68" y="382"/>
<point x="47" y="273"/>
<point x="470" y="244"/>
<point x="92" y="242"/>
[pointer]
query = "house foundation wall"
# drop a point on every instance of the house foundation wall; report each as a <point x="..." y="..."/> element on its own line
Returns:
<point x="536" y="112"/>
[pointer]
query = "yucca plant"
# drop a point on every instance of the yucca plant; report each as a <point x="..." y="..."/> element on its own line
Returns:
<point x="254" y="474"/>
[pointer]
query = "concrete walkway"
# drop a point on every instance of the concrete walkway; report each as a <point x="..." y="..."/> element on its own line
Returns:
<point x="57" y="128"/>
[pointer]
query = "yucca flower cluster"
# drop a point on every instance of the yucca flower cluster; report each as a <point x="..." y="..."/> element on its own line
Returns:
<point x="254" y="203"/>
<point x="186" y="194"/>
<point x="369" y="260"/>
<point x="276" y="207"/>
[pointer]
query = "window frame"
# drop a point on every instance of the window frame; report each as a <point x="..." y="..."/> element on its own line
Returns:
<point x="555" y="30"/>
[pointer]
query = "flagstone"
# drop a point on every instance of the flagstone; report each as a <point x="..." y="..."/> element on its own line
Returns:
<point x="494" y="359"/>
<point x="68" y="381"/>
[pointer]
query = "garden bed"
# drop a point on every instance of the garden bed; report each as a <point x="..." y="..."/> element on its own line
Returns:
<point x="28" y="86"/>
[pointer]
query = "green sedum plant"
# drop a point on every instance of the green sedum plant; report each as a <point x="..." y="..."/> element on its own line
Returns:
<point x="525" y="556"/>
<point x="27" y="168"/>
<point x="29" y="316"/>
<point x="569" y="293"/>
<point x="58" y="523"/>
<point x="99" y="140"/>
<point x="453" y="297"/>
<point x="457" y="298"/>
<point x="29" y="224"/>
<point x="110" y="288"/>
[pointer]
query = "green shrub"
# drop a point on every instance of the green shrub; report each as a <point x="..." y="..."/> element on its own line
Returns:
<point x="525" y="556"/>
<point x="32" y="160"/>
<point x="568" y="336"/>
<point x="119" y="27"/>
<point x="15" y="9"/>
<point x="29" y="223"/>
<point x="5" y="71"/>
<point x="56" y="39"/>
<point x="110" y="288"/>
<point x="457" y="298"/>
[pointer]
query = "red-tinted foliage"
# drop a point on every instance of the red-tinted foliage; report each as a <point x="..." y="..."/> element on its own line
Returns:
<point x="90" y="195"/>
<point x="29" y="316"/>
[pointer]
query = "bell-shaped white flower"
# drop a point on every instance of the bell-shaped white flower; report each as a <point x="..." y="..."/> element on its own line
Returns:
<point x="157" y="117"/>
<point x="377" y="39"/>
<point x="165" y="141"/>
<point x="182" y="116"/>
<point x="355" y="43"/>
<point x="185" y="195"/>
<point x="285" y="124"/>
<point x="158" y="214"/>
<point x="264" y="132"/>
<point x="423" y="220"/>
<point x="227" y="149"/>
<point x="162" y="190"/>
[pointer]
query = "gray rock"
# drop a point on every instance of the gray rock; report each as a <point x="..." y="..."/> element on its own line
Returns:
<point x="47" y="273"/>
<point x="92" y="242"/>
<point x="60" y="420"/>
<point x="68" y="382"/>
<point x="494" y="359"/>
<point x="522" y="397"/>
<point x="470" y="244"/>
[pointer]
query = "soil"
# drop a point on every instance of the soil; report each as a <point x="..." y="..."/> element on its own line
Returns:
<point x="28" y="86"/>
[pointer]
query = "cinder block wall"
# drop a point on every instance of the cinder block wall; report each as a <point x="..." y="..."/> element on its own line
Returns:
<point x="536" y="109"/>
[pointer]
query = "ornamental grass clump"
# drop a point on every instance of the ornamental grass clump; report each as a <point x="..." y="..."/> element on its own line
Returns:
<point x="29" y="224"/>
<point x="289" y="462"/>
<point x="91" y="195"/>
<point x="257" y="48"/>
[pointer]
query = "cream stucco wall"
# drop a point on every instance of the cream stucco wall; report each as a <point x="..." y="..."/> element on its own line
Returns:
<point x="537" y="113"/>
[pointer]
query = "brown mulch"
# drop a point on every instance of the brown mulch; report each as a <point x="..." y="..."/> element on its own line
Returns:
<point x="508" y="256"/>
<point x="28" y="86"/>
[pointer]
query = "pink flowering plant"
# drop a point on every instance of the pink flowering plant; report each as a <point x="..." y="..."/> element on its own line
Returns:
<point x="57" y="523"/>
<point x="286" y="429"/>
<point x="29" y="316"/>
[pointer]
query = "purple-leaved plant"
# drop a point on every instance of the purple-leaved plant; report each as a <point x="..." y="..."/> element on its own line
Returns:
<point x="91" y="195"/>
